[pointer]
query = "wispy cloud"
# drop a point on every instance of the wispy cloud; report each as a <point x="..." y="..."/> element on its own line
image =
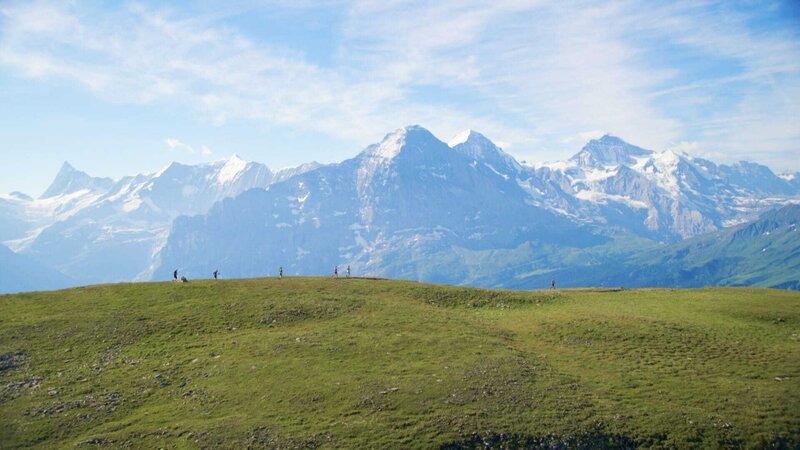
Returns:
<point x="175" y="144"/>
<point x="535" y="75"/>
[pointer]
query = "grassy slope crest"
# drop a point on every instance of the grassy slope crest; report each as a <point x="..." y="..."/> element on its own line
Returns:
<point x="317" y="362"/>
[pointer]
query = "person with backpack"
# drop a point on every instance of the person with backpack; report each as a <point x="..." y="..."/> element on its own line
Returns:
<point x="175" y="275"/>
<point x="216" y="272"/>
<point x="553" y="283"/>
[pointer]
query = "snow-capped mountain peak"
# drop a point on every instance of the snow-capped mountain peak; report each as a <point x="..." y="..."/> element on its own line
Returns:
<point x="608" y="151"/>
<point x="413" y="141"/>
<point x="395" y="142"/>
<point x="231" y="169"/>
<point x="479" y="148"/>
<point x="461" y="138"/>
<point x="70" y="180"/>
<point x="390" y="146"/>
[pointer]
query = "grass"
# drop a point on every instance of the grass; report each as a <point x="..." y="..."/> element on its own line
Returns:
<point x="314" y="362"/>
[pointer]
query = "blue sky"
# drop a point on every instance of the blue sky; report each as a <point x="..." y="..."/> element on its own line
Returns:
<point x="122" y="88"/>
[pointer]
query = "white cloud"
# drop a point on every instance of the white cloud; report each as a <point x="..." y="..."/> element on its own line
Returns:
<point x="692" y="148"/>
<point x="589" y="135"/>
<point x="534" y="75"/>
<point x="175" y="144"/>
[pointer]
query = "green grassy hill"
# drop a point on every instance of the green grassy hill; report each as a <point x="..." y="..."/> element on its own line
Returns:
<point x="313" y="362"/>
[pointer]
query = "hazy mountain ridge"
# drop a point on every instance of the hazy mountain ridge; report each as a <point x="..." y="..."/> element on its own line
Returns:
<point x="765" y="252"/>
<point x="20" y="273"/>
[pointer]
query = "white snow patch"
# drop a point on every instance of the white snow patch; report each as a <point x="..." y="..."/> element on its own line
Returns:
<point x="505" y="177"/>
<point x="603" y="198"/>
<point x="231" y="169"/>
<point x="132" y="204"/>
<point x="600" y="174"/>
<point x="555" y="166"/>
<point x="361" y="241"/>
<point x="734" y="222"/>
<point x="390" y="146"/>
<point x="460" y="138"/>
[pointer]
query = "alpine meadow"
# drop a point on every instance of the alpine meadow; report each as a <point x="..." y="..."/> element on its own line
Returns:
<point x="360" y="224"/>
<point x="351" y="363"/>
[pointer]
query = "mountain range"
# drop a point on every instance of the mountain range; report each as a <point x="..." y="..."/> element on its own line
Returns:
<point x="99" y="230"/>
<point x="413" y="206"/>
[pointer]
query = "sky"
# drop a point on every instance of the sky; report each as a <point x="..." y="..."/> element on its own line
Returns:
<point x="118" y="88"/>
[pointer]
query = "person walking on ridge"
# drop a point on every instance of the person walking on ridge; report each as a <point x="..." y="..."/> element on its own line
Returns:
<point x="216" y="273"/>
<point x="348" y="271"/>
<point x="553" y="283"/>
<point x="175" y="275"/>
<point x="335" y="271"/>
<point x="280" y="273"/>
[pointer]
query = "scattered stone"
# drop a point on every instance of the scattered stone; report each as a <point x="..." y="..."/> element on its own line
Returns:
<point x="14" y="389"/>
<point x="52" y="392"/>
<point x="11" y="360"/>
<point x="97" y="441"/>
<point x="161" y="379"/>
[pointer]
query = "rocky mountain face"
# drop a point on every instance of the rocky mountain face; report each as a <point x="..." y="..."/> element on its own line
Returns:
<point x="409" y="194"/>
<point x="405" y="206"/>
